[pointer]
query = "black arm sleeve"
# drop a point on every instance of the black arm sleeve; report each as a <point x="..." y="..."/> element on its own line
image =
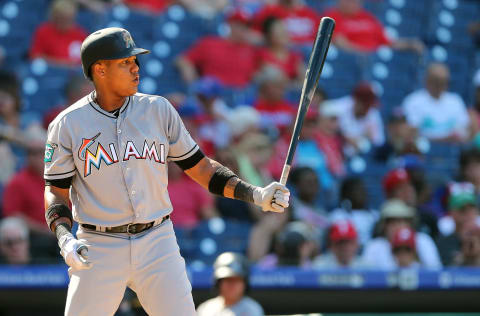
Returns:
<point x="191" y="161"/>
<point x="64" y="183"/>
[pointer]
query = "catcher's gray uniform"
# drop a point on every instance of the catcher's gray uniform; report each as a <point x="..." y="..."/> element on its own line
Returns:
<point x="118" y="163"/>
<point x="216" y="307"/>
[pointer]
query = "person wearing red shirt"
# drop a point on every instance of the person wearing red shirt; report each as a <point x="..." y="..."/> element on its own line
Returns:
<point x="23" y="194"/>
<point x="274" y="109"/>
<point x="58" y="41"/>
<point x="277" y="52"/>
<point x="301" y="21"/>
<point x="151" y="6"/>
<point x="360" y="31"/>
<point x="329" y="139"/>
<point x="231" y="60"/>
<point x="189" y="200"/>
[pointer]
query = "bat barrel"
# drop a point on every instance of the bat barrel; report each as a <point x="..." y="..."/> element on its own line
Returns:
<point x="312" y="76"/>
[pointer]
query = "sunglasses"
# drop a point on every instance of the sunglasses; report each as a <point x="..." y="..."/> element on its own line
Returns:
<point x="403" y="249"/>
<point x="13" y="241"/>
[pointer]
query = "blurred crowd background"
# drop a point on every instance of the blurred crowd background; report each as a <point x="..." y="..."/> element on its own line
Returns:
<point x="387" y="170"/>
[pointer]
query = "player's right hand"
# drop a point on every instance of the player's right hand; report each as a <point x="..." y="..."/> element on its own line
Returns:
<point x="75" y="254"/>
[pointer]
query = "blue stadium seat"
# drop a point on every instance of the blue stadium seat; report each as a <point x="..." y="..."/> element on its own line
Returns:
<point x="218" y="235"/>
<point x="43" y="85"/>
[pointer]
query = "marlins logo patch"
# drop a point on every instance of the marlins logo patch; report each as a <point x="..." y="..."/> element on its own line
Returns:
<point x="128" y="39"/>
<point x="49" y="149"/>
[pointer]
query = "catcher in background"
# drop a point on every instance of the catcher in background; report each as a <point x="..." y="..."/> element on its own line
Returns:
<point x="231" y="280"/>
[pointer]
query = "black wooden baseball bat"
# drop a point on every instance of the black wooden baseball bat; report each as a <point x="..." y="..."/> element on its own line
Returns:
<point x="312" y="75"/>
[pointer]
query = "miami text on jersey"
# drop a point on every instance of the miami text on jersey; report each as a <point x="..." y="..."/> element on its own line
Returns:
<point x="111" y="157"/>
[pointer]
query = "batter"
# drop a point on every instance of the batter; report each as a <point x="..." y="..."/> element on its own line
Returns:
<point x="107" y="154"/>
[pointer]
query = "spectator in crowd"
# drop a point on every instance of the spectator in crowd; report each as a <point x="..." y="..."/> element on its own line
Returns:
<point x="310" y="154"/>
<point x="404" y="248"/>
<point x="294" y="246"/>
<point x="148" y="6"/>
<point x="463" y="212"/>
<point x="75" y="89"/>
<point x="360" y="120"/>
<point x="354" y="208"/>
<point x="207" y="9"/>
<point x="274" y="108"/>
<point x="395" y="214"/>
<point x="231" y="271"/>
<point x="342" y="248"/>
<point x="14" y="125"/>
<point x="329" y="139"/>
<point x="470" y="248"/>
<point x="58" y="40"/>
<point x="397" y="184"/>
<point x="360" y="31"/>
<point x="474" y="111"/>
<point x="14" y="241"/>
<point x="199" y="204"/>
<point x="470" y="168"/>
<point x="436" y="113"/>
<point x="304" y="204"/>
<point x="23" y="195"/>
<point x="402" y="139"/>
<point x="211" y="116"/>
<point x="277" y="51"/>
<point x="300" y="20"/>
<point x="213" y="56"/>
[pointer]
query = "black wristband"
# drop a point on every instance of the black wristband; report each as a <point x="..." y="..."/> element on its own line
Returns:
<point x="219" y="180"/>
<point x="62" y="229"/>
<point x="244" y="191"/>
<point x="56" y="211"/>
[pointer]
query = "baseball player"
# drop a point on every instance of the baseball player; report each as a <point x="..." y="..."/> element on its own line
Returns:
<point x="107" y="154"/>
<point x="231" y="281"/>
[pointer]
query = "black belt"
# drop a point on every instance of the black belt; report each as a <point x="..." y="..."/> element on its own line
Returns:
<point x="127" y="228"/>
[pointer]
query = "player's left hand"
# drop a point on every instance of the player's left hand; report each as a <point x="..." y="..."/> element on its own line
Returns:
<point x="272" y="198"/>
<point x="75" y="253"/>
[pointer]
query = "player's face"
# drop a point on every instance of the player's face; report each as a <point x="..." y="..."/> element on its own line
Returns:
<point x="122" y="76"/>
<point x="232" y="289"/>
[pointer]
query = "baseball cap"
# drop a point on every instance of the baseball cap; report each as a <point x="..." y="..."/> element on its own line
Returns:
<point x="404" y="237"/>
<point x="238" y="16"/>
<point x="329" y="109"/>
<point x="460" y="195"/>
<point x="342" y="230"/>
<point x="208" y="86"/>
<point x="395" y="208"/>
<point x="393" y="178"/>
<point x="365" y="94"/>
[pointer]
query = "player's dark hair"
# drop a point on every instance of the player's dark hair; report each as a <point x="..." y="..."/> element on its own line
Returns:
<point x="353" y="191"/>
<point x="9" y="84"/>
<point x="267" y="27"/>
<point x="297" y="174"/>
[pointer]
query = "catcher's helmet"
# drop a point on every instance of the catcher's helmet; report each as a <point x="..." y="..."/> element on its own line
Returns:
<point x="230" y="264"/>
<point x="109" y="43"/>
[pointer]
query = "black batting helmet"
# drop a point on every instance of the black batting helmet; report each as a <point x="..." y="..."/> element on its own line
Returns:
<point x="108" y="43"/>
<point x="230" y="264"/>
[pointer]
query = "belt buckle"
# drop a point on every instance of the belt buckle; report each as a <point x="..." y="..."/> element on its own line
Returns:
<point x="128" y="229"/>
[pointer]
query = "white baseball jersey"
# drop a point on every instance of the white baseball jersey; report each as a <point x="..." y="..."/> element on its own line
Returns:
<point x="216" y="307"/>
<point x="119" y="163"/>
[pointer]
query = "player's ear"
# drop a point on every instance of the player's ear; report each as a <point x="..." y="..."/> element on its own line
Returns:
<point x="99" y="69"/>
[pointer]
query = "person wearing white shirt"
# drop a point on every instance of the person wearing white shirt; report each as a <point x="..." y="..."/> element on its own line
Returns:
<point x="360" y="121"/>
<point x="395" y="215"/>
<point x="435" y="112"/>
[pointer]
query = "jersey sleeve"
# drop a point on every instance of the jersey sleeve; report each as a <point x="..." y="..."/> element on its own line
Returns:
<point x="58" y="159"/>
<point x="181" y="144"/>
